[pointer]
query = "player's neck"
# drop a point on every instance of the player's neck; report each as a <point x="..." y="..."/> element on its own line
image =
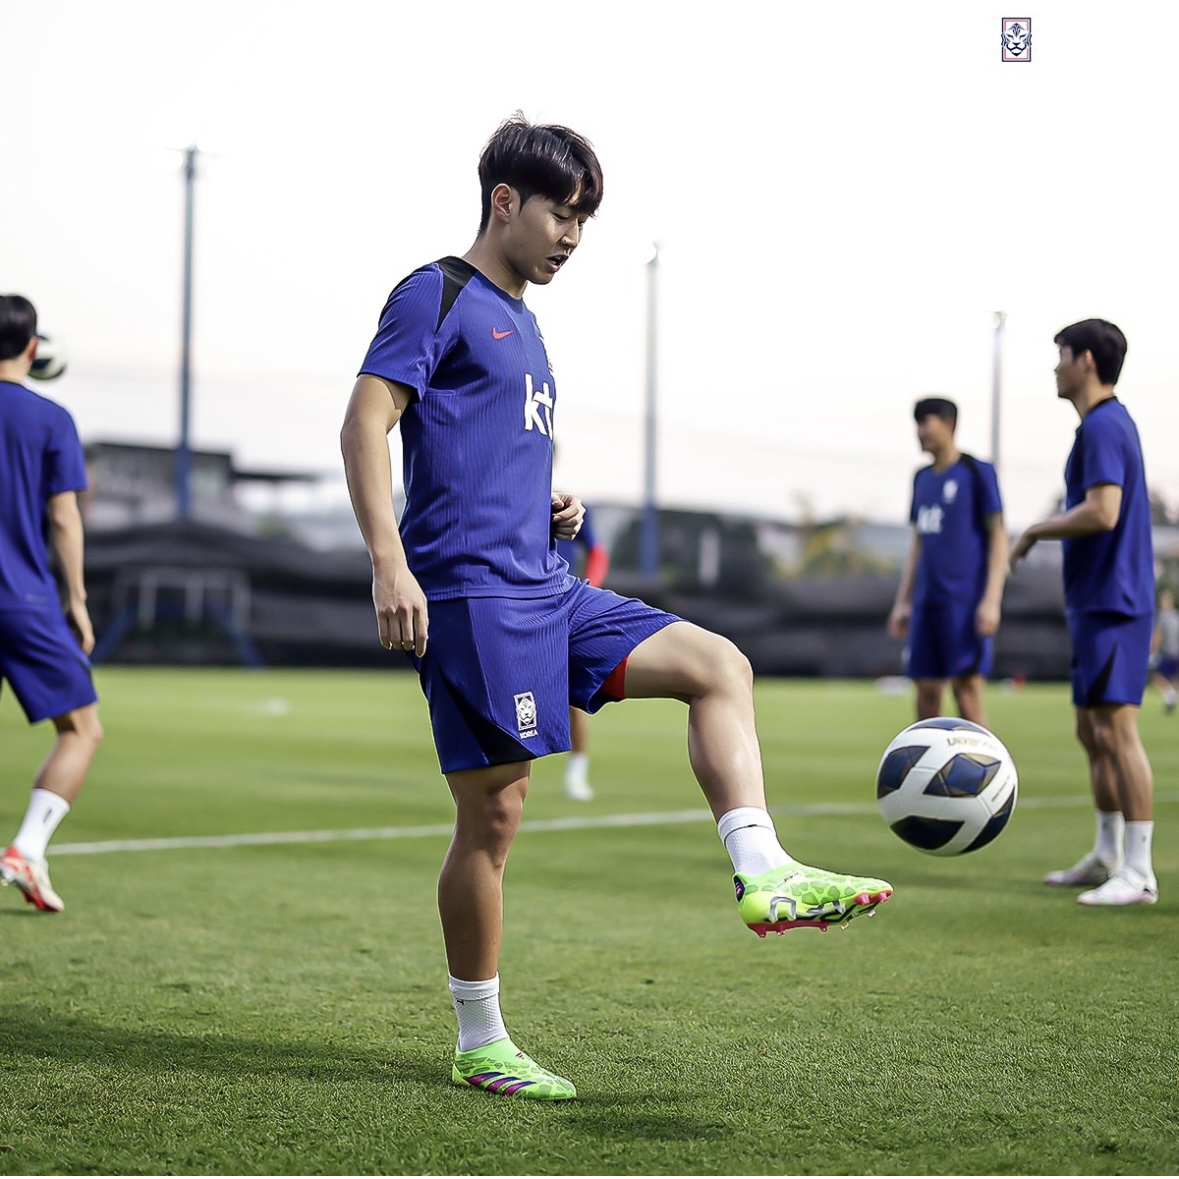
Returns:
<point x="946" y="458"/>
<point x="1091" y="397"/>
<point x="13" y="371"/>
<point x="491" y="263"/>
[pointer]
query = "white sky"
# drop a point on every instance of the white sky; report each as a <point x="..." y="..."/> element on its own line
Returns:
<point x="844" y="194"/>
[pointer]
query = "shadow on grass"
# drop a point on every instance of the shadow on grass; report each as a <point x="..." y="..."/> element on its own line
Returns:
<point x="36" y="1032"/>
<point x="606" y="1118"/>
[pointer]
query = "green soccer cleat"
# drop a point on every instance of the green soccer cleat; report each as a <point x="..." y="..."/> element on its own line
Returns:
<point x="502" y="1068"/>
<point x="796" y="896"/>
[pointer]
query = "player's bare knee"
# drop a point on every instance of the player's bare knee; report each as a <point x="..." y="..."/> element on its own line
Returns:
<point x="728" y="667"/>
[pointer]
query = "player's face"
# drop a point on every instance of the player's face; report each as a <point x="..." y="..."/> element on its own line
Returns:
<point x="1070" y="373"/>
<point x="544" y="235"/>
<point x="934" y="433"/>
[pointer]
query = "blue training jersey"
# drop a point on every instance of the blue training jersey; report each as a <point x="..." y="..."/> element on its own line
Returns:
<point x="477" y="441"/>
<point x="1109" y="571"/>
<point x="40" y="457"/>
<point x="949" y="511"/>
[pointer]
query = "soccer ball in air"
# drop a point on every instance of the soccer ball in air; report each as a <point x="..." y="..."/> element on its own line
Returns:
<point x="50" y="360"/>
<point x="946" y="786"/>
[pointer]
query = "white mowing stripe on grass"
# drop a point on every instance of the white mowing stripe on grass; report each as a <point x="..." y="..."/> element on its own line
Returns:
<point x="570" y="823"/>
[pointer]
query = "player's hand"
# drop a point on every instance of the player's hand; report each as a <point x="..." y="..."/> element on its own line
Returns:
<point x="1019" y="550"/>
<point x="986" y="619"/>
<point x="79" y="619"/>
<point x="568" y="513"/>
<point x="403" y="618"/>
<point x="898" y="621"/>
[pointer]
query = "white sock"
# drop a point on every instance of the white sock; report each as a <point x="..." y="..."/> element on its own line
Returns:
<point x="577" y="769"/>
<point x="476" y="1005"/>
<point x="752" y="842"/>
<point x="1111" y="837"/>
<point x="1138" y="840"/>
<point x="46" y="811"/>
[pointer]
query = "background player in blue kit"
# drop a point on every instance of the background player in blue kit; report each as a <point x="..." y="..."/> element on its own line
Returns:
<point x="587" y="557"/>
<point x="43" y="653"/>
<point x="1109" y="603"/>
<point x="470" y="586"/>
<point x="950" y="594"/>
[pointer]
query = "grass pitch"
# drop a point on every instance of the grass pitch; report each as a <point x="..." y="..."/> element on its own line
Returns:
<point x="281" y="1008"/>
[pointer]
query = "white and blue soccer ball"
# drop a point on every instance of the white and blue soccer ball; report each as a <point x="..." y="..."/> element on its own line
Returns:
<point x="50" y="361"/>
<point x="946" y="786"/>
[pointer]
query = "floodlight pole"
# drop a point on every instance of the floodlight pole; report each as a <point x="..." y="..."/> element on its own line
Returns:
<point x="183" y="453"/>
<point x="649" y="536"/>
<point x="997" y="386"/>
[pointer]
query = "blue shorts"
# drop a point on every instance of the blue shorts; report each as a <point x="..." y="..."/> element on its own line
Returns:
<point x="944" y="645"/>
<point x="1168" y="665"/>
<point x="41" y="659"/>
<point x="501" y="673"/>
<point x="1111" y="653"/>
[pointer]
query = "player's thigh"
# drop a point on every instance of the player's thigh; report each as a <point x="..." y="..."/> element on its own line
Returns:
<point x="496" y="677"/>
<point x="927" y="659"/>
<point x="605" y="632"/>
<point x="490" y="800"/>
<point x="945" y="645"/>
<point x="685" y="661"/>
<point x="83" y="722"/>
<point x="39" y="657"/>
<point x="1110" y="657"/>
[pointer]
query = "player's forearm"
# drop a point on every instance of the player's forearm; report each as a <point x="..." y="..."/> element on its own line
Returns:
<point x="997" y="558"/>
<point x="66" y="535"/>
<point x="1085" y="519"/>
<point x="369" y="474"/>
<point x="908" y="575"/>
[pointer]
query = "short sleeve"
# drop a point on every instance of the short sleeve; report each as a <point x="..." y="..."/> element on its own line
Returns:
<point x="1102" y="457"/>
<point x="408" y="343"/>
<point x="992" y="501"/>
<point x="65" y="461"/>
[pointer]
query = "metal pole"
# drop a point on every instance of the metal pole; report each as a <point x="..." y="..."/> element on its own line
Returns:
<point x="183" y="454"/>
<point x="649" y="546"/>
<point x="997" y="387"/>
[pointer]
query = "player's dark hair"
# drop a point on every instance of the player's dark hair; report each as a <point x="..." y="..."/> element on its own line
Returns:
<point x="1100" y="337"/>
<point x="18" y="325"/>
<point x="544" y="160"/>
<point x="941" y="407"/>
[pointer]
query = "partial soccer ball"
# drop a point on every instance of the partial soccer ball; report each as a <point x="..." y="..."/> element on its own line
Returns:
<point x="946" y="786"/>
<point x="50" y="361"/>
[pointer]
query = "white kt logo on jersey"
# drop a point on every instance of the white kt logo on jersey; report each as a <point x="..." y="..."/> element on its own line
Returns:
<point x="538" y="407"/>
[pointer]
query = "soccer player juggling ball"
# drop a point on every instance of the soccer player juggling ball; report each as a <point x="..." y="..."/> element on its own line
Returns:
<point x="470" y="588"/>
<point x="1109" y="604"/>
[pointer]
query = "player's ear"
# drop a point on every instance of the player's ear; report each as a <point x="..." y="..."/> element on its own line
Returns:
<point x="31" y="349"/>
<point x="504" y="201"/>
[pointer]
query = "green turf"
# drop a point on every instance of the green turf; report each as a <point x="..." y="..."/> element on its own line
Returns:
<point x="283" y="1009"/>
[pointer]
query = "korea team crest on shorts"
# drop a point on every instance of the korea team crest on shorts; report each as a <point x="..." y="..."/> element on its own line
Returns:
<point x="1017" y="38"/>
<point x="526" y="714"/>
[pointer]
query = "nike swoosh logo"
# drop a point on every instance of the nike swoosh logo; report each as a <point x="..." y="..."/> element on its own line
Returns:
<point x="500" y="335"/>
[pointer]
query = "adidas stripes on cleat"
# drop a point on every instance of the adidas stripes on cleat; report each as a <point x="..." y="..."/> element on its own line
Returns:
<point x="796" y="896"/>
<point x="503" y="1069"/>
